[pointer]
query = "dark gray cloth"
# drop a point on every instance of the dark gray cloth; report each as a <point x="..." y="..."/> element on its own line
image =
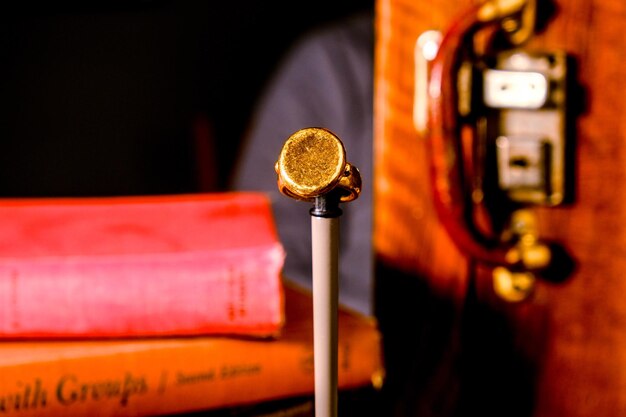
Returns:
<point x="325" y="80"/>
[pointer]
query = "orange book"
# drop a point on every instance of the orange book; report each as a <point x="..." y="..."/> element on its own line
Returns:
<point x="173" y="375"/>
<point x="193" y="264"/>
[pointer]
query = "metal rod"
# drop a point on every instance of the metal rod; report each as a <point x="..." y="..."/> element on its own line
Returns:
<point x="325" y="250"/>
<point x="312" y="167"/>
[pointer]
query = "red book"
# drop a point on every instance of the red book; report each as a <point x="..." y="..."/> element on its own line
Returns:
<point x="140" y="266"/>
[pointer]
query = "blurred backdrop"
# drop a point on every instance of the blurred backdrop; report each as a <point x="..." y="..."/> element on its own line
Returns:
<point x="136" y="97"/>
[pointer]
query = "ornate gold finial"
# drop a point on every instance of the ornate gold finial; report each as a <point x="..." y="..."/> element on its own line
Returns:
<point x="312" y="162"/>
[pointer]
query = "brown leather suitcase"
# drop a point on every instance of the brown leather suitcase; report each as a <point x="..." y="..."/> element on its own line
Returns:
<point x="473" y="324"/>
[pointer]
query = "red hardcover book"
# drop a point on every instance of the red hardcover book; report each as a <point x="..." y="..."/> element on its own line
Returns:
<point x="140" y="266"/>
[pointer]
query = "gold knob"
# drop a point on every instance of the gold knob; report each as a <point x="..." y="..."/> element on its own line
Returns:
<point x="312" y="163"/>
<point x="513" y="286"/>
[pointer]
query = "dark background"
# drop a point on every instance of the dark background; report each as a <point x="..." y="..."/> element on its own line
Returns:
<point x="137" y="97"/>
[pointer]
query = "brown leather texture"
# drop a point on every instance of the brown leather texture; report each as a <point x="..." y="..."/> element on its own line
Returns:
<point x="453" y="347"/>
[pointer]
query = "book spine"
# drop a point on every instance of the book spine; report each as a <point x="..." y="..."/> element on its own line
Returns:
<point x="214" y="292"/>
<point x="173" y="376"/>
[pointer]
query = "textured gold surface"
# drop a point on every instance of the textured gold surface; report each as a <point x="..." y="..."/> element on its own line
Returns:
<point x="312" y="162"/>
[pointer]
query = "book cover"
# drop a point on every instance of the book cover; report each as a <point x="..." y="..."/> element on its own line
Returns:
<point x="161" y="376"/>
<point x="366" y="401"/>
<point x="140" y="266"/>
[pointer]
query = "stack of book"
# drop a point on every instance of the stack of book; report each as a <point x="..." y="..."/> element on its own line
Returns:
<point x="157" y="305"/>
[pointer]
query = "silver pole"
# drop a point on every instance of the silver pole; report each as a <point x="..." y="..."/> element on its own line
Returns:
<point x="325" y="239"/>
